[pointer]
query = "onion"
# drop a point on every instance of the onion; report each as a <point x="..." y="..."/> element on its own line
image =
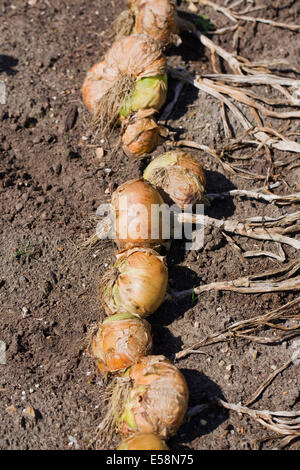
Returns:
<point x="133" y="203"/>
<point x="121" y="341"/>
<point x="143" y="442"/>
<point x="179" y="175"/>
<point x="158" y="19"/>
<point x="136" y="284"/>
<point x="140" y="137"/>
<point x="131" y="77"/>
<point x="158" y="399"/>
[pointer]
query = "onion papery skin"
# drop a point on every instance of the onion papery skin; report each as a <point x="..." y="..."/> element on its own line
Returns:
<point x="156" y="18"/>
<point x="179" y="175"/>
<point x="137" y="57"/>
<point x="121" y="341"/>
<point x="132" y="204"/>
<point x="136" y="284"/>
<point x="143" y="442"/>
<point x="158" y="399"/>
<point x="140" y="137"/>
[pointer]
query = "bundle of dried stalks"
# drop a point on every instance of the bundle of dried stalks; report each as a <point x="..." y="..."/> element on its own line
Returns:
<point x="259" y="228"/>
<point x="234" y="16"/>
<point x="245" y="329"/>
<point x="285" y="423"/>
<point x="261" y="134"/>
<point x="286" y="278"/>
<point x="258" y="194"/>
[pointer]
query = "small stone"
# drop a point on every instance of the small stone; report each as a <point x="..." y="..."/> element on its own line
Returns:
<point x="29" y="411"/>
<point x="192" y="7"/>
<point x="11" y="409"/>
<point x="108" y="171"/>
<point x="203" y="422"/>
<point x="222" y="363"/>
<point x="25" y="312"/>
<point x="99" y="152"/>
<point x="229" y="367"/>
<point x="196" y="324"/>
<point x="19" y="206"/>
<point x="254" y="354"/>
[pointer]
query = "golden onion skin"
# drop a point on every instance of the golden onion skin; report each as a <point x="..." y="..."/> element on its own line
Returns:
<point x="179" y="175"/>
<point x="156" y="18"/>
<point x="132" y="203"/>
<point x="158" y="400"/>
<point x="140" y="137"/>
<point x="121" y="341"/>
<point x="143" y="442"/>
<point x="137" y="284"/>
<point x="136" y="56"/>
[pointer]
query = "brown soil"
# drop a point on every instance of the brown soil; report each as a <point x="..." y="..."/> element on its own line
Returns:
<point x="51" y="184"/>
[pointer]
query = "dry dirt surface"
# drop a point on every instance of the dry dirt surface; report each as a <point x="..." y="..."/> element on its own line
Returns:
<point x="52" y="182"/>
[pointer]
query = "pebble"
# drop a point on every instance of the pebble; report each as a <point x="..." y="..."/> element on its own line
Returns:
<point x="10" y="409"/>
<point x="29" y="411"/>
<point x="19" y="206"/>
<point x="25" y="312"/>
<point x="99" y="152"/>
<point x="192" y="7"/>
<point x="222" y="363"/>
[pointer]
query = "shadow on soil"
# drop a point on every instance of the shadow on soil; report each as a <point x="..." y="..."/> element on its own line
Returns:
<point x="202" y="390"/>
<point x="7" y="64"/>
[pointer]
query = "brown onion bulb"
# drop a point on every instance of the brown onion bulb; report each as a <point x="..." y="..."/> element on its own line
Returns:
<point x="129" y="60"/>
<point x="158" y="19"/>
<point x="133" y="203"/>
<point x="121" y="341"/>
<point x="143" y="442"/>
<point x="179" y="175"/>
<point x="136" y="284"/>
<point x="140" y="137"/>
<point x="157" y="401"/>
